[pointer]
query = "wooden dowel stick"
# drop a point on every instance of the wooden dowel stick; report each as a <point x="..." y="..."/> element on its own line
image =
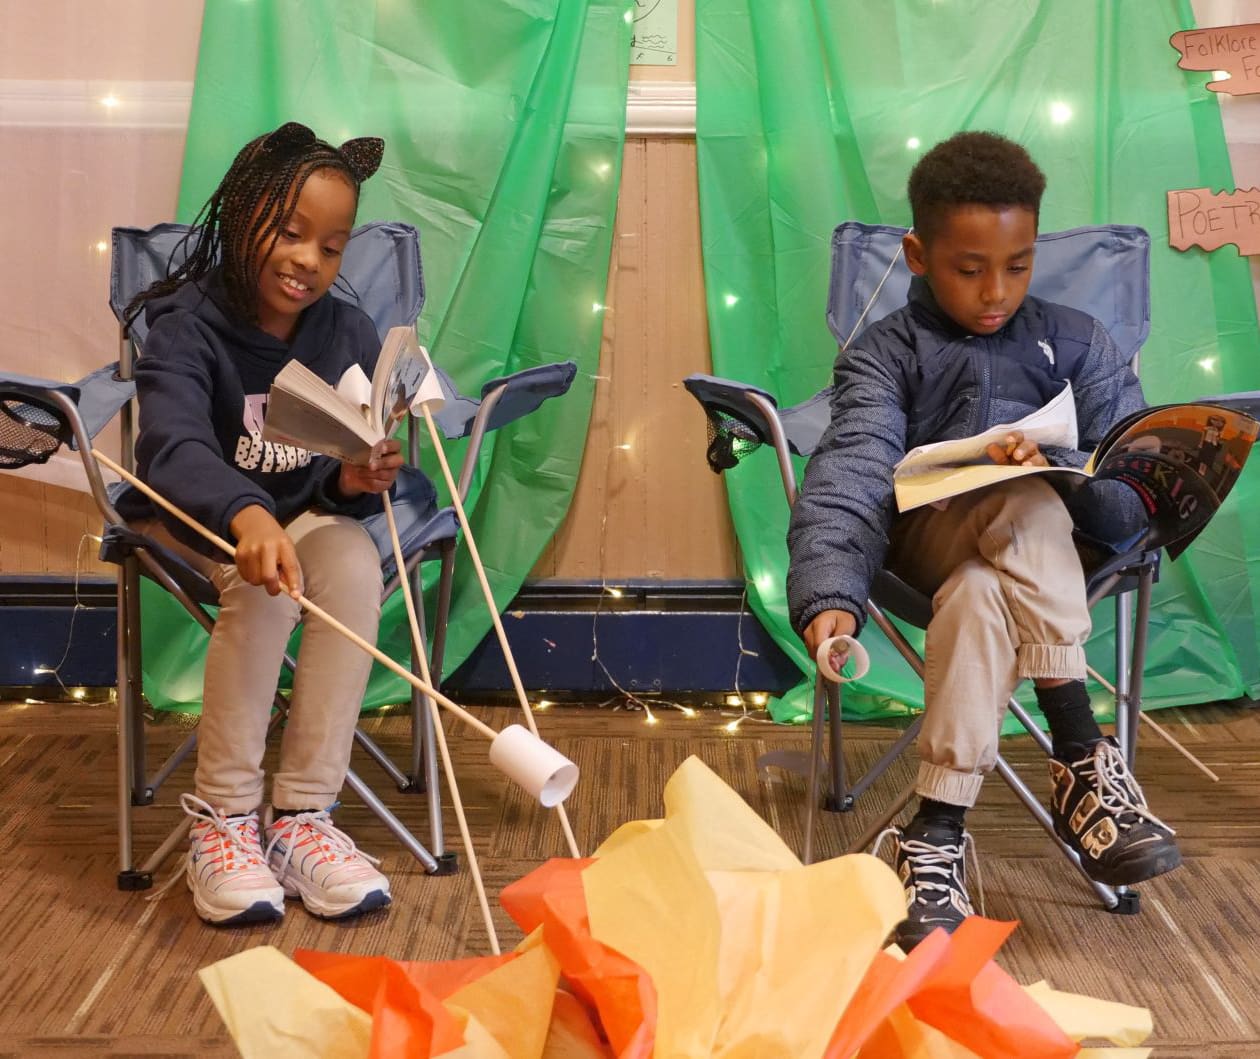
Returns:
<point x="493" y="608"/>
<point x="318" y="611"/>
<point x="418" y="644"/>
<point x="1159" y="730"/>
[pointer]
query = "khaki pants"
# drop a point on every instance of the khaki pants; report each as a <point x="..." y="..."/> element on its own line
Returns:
<point x="1008" y="603"/>
<point x="342" y="574"/>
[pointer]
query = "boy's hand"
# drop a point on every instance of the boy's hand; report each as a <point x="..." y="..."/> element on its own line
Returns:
<point x="1015" y="448"/>
<point x="379" y="474"/>
<point x="264" y="552"/>
<point x="826" y="625"/>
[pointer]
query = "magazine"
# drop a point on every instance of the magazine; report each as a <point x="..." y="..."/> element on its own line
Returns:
<point x="347" y="421"/>
<point x="1181" y="460"/>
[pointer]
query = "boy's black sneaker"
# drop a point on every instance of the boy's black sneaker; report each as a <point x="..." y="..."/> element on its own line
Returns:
<point x="928" y="859"/>
<point x="1100" y="812"/>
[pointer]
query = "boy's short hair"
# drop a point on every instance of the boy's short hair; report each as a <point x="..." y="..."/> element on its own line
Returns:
<point x="972" y="169"/>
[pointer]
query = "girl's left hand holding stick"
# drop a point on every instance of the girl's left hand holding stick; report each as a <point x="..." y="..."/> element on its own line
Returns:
<point x="378" y="474"/>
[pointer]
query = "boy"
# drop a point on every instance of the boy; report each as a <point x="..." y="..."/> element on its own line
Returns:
<point x="970" y="350"/>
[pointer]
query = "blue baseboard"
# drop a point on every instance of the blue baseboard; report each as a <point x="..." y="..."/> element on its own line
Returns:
<point x="42" y="629"/>
<point x="655" y="638"/>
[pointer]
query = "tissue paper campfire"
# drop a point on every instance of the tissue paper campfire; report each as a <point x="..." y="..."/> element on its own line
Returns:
<point x="700" y="935"/>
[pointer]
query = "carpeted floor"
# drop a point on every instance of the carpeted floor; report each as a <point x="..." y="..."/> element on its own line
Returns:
<point x="87" y="970"/>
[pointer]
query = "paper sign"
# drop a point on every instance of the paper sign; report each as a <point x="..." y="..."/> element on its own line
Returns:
<point x="655" y="40"/>
<point x="1197" y="217"/>
<point x="1232" y="52"/>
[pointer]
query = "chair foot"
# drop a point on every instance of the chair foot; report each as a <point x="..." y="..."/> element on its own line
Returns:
<point x="838" y="805"/>
<point x="135" y="880"/>
<point x="447" y="863"/>
<point x="414" y="785"/>
<point x="1128" y="903"/>
<point x="144" y="797"/>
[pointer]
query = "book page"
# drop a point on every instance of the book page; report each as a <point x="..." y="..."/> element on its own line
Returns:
<point x="303" y="410"/>
<point x="400" y="372"/>
<point x="1054" y="424"/>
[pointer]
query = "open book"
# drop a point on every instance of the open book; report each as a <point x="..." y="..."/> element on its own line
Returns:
<point x="348" y="420"/>
<point x="1181" y="460"/>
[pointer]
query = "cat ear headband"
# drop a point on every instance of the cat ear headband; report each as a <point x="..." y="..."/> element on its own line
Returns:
<point x="362" y="155"/>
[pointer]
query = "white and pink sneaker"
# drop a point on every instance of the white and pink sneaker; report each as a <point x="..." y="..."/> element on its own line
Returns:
<point x="320" y="864"/>
<point x="227" y="870"/>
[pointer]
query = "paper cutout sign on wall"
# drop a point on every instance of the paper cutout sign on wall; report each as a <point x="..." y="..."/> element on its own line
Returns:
<point x="1197" y="217"/>
<point x="1231" y="52"/>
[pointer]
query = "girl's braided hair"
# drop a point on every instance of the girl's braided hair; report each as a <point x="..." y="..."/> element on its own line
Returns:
<point x="252" y="205"/>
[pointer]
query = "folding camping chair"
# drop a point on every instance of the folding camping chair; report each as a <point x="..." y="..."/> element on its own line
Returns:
<point x="381" y="272"/>
<point x="1102" y="271"/>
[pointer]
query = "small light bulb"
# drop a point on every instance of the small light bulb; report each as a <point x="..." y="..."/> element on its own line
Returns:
<point x="79" y="693"/>
<point x="687" y="711"/>
<point x="734" y="700"/>
<point x="1220" y="75"/>
<point x="733" y="726"/>
<point x="651" y="719"/>
<point x="597" y="307"/>
<point x="543" y="704"/>
<point x="100" y="246"/>
<point x="624" y="448"/>
<point x="1060" y="112"/>
<point x="913" y="143"/>
<point x="42" y="669"/>
<point x="1208" y="364"/>
<point x="731" y="300"/>
<point x="110" y="101"/>
<point x="616" y="593"/>
<point x="759" y="698"/>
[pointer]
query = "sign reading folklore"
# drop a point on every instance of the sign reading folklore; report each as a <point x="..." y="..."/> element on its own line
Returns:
<point x="1230" y="50"/>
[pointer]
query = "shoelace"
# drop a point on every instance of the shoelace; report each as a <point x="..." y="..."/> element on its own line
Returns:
<point x="231" y="835"/>
<point x="1117" y="788"/>
<point x="331" y="840"/>
<point x="928" y="863"/>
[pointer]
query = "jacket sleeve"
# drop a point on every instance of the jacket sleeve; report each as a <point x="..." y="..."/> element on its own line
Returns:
<point x="177" y="451"/>
<point x="838" y="533"/>
<point x="1106" y="390"/>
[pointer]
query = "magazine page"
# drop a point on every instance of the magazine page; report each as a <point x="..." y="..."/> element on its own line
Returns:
<point x="1182" y="461"/>
<point x="1212" y="440"/>
<point x="1054" y="424"/>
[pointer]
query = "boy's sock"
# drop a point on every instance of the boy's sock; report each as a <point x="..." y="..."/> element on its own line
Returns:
<point x="933" y="814"/>
<point x="1070" y="717"/>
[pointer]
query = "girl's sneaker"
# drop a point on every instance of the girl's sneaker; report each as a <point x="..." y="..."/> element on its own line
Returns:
<point x="320" y="864"/>
<point x="227" y="871"/>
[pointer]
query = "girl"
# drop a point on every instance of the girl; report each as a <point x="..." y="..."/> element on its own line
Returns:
<point x="252" y="295"/>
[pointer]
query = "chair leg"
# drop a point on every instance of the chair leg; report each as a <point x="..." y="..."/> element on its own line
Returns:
<point x="1124" y="655"/>
<point x="130" y="614"/>
<point x="839" y="799"/>
<point x="128" y="877"/>
<point x="437" y="656"/>
<point x="815" y="762"/>
<point x="1141" y="626"/>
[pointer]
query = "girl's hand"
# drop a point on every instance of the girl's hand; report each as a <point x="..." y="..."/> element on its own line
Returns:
<point x="1017" y="449"/>
<point x="264" y="552"/>
<point x="377" y="476"/>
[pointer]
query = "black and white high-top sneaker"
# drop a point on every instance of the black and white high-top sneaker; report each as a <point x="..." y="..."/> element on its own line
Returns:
<point x="1099" y="810"/>
<point x="928" y="858"/>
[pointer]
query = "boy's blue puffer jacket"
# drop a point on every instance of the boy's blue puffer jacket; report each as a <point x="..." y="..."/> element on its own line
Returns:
<point x="915" y="377"/>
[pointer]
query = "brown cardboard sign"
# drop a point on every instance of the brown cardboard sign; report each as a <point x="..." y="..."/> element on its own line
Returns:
<point x="1197" y="217"/>
<point x="1234" y="50"/>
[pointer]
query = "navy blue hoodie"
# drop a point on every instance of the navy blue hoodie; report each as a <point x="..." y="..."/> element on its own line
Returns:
<point x="202" y="383"/>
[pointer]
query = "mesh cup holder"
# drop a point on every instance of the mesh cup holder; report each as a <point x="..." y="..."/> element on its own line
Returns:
<point x="30" y="431"/>
<point x="730" y="439"/>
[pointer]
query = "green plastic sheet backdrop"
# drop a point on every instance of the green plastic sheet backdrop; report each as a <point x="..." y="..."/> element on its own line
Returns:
<point x="504" y="123"/>
<point x="811" y="113"/>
